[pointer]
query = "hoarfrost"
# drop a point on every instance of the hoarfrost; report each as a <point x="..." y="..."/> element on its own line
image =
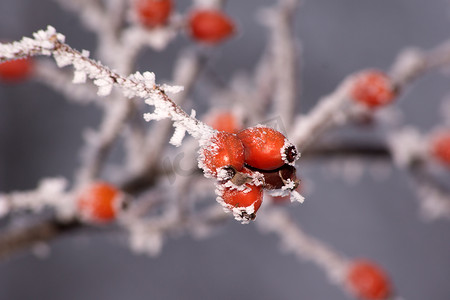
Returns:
<point x="406" y="145"/>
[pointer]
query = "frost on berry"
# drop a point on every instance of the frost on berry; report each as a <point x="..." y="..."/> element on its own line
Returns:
<point x="153" y="13"/>
<point x="99" y="202"/>
<point x="223" y="150"/>
<point x="368" y="281"/>
<point x="210" y="26"/>
<point x="267" y="148"/>
<point x="16" y="70"/>
<point x="243" y="202"/>
<point x="372" y="88"/>
<point x="440" y="147"/>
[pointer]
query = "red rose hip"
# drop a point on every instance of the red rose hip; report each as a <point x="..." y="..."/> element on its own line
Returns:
<point x="440" y="147"/>
<point x="267" y="148"/>
<point x="99" y="202"/>
<point x="223" y="121"/>
<point x="210" y="26"/>
<point x="243" y="202"/>
<point x="153" y="13"/>
<point x="372" y="88"/>
<point x="224" y="152"/>
<point x="16" y="70"/>
<point x="368" y="281"/>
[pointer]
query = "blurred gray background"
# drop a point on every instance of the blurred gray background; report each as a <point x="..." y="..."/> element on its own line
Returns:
<point x="40" y="135"/>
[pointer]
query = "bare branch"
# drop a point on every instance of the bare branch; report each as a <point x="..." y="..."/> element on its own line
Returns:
<point x="17" y="239"/>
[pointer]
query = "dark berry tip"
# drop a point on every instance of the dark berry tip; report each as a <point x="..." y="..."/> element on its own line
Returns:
<point x="291" y="153"/>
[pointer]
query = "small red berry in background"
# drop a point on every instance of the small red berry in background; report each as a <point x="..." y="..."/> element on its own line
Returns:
<point x="440" y="147"/>
<point x="153" y="13"/>
<point x="372" y="88"/>
<point x="99" y="202"/>
<point x="243" y="202"/>
<point x="368" y="281"/>
<point x="16" y="70"/>
<point x="210" y="26"/>
<point x="266" y="148"/>
<point x="223" y="150"/>
<point x="223" y="121"/>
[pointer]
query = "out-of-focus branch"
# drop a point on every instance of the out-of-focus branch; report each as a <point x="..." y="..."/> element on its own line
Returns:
<point x="329" y="112"/>
<point x="434" y="197"/>
<point x="303" y="246"/>
<point x="99" y="143"/>
<point x="147" y="236"/>
<point x="15" y="239"/>
<point x="91" y="13"/>
<point x="285" y="62"/>
<point x="49" y="42"/>
<point x="148" y="155"/>
<point x="52" y="76"/>
<point x="333" y="110"/>
<point x="19" y="238"/>
<point x="347" y="149"/>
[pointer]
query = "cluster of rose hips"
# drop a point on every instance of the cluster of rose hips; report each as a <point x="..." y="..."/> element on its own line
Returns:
<point x="246" y="163"/>
<point x="209" y="26"/>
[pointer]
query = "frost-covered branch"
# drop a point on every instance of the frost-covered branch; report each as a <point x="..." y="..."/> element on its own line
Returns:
<point x="147" y="236"/>
<point x="186" y="72"/>
<point x="329" y="112"/>
<point x="51" y="192"/>
<point x="336" y="108"/>
<point x="52" y="76"/>
<point x="50" y="42"/>
<point x="285" y="58"/>
<point x="434" y="200"/>
<point x="413" y="62"/>
<point x="434" y="197"/>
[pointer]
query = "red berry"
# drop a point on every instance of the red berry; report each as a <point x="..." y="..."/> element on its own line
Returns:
<point x="224" y="121"/>
<point x="368" y="281"/>
<point x="440" y="147"/>
<point x="266" y="148"/>
<point x="243" y="202"/>
<point x="223" y="152"/>
<point x="210" y="26"/>
<point x="372" y="88"/>
<point x="99" y="202"/>
<point x="153" y="13"/>
<point x="16" y="70"/>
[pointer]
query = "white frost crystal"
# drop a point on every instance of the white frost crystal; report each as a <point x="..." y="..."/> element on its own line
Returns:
<point x="49" y="193"/>
<point x="406" y="145"/>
